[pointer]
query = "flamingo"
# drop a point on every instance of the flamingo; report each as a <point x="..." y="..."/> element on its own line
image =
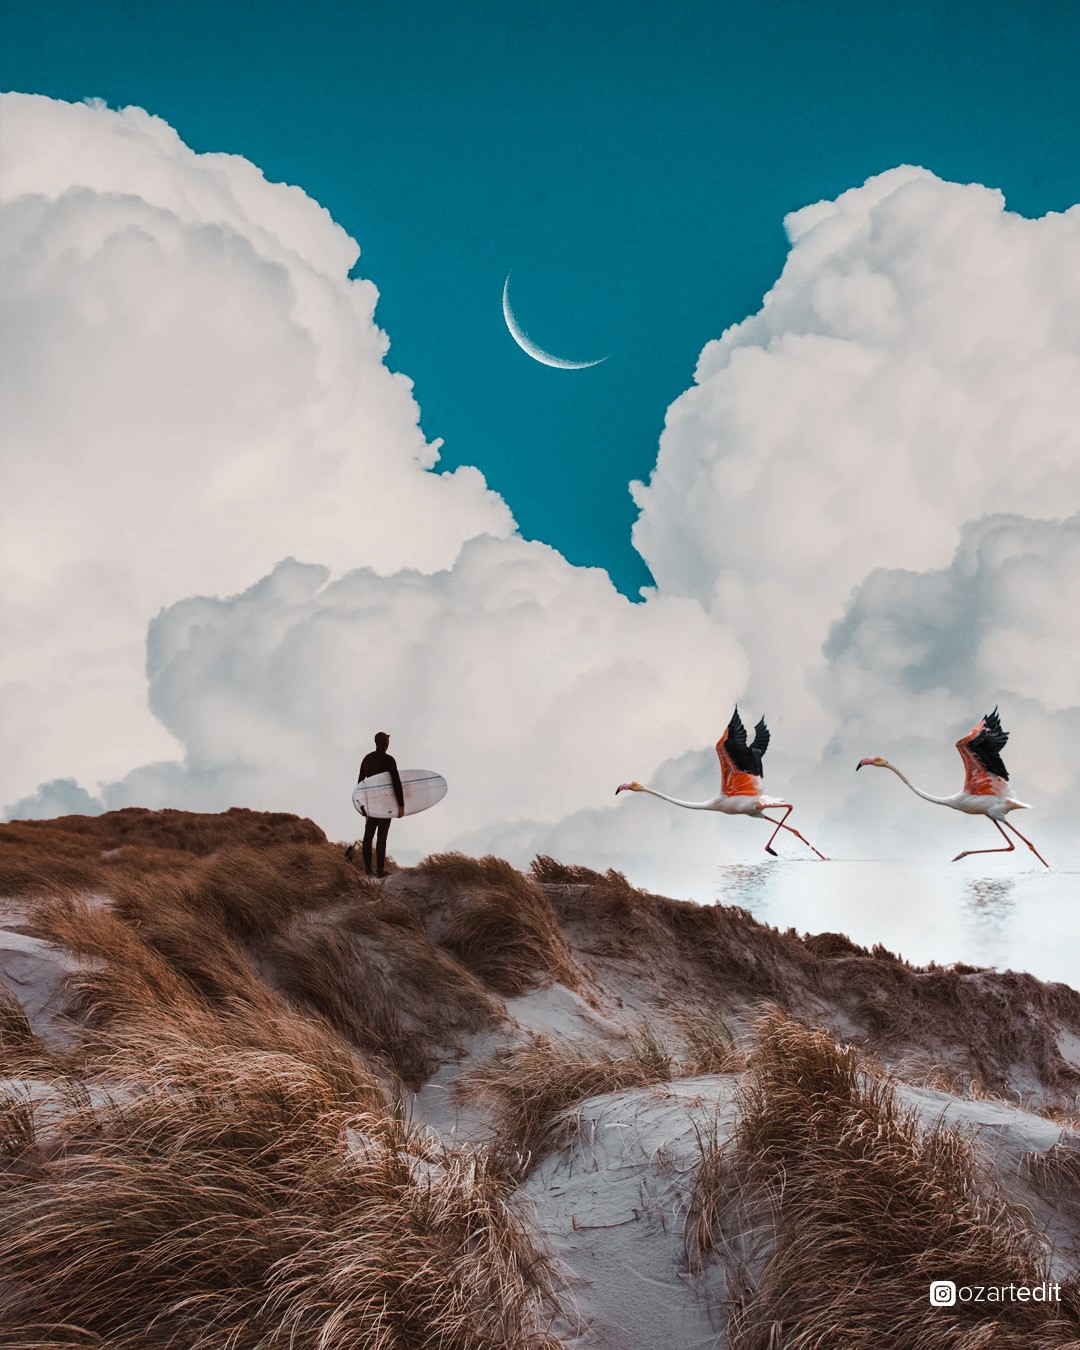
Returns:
<point x="740" y="782"/>
<point x="986" y="783"/>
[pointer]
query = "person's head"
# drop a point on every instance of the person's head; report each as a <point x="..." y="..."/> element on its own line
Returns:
<point x="382" y="740"/>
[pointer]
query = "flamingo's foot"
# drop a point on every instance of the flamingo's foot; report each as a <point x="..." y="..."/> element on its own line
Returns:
<point x="959" y="856"/>
<point x="771" y="851"/>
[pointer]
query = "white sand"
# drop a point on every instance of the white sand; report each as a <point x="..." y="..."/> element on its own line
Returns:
<point x="1007" y="1130"/>
<point x="612" y="1206"/>
<point x="35" y="972"/>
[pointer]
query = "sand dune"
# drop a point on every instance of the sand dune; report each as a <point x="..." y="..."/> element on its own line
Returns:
<point x="253" y="1098"/>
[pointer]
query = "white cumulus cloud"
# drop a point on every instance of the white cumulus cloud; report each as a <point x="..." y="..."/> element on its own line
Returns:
<point x="531" y="684"/>
<point x="919" y="656"/>
<point x="915" y="367"/>
<point x="193" y="388"/>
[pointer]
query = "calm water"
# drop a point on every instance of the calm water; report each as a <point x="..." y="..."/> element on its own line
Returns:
<point x="1019" y="920"/>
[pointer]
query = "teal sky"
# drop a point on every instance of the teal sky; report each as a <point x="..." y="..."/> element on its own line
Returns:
<point x="632" y="164"/>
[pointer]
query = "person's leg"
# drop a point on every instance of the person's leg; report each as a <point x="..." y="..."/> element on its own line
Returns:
<point x="380" y="847"/>
<point x="369" y="835"/>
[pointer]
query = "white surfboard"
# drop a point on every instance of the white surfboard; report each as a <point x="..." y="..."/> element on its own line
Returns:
<point x="375" y="795"/>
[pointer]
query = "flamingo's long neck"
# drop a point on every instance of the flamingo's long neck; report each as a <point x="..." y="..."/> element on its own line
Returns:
<point x="926" y="796"/>
<point x="690" y="806"/>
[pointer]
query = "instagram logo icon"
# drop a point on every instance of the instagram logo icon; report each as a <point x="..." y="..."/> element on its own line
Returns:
<point x="942" y="1293"/>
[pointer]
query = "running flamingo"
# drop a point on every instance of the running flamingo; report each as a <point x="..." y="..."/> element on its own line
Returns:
<point x="740" y="782"/>
<point x="986" y="783"/>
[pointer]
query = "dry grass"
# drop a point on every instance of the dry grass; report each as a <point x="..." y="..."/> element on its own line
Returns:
<point x="244" y="1199"/>
<point x="708" y="1044"/>
<point x="531" y="1089"/>
<point x="378" y="978"/>
<point x="828" y="945"/>
<point x="16" y="1126"/>
<point x="1066" y="1114"/>
<point x="82" y="854"/>
<point x="247" y="893"/>
<point x="548" y="871"/>
<point x="21" y="1050"/>
<point x="500" y="925"/>
<point x="1056" y="1172"/>
<point x="869" y="1208"/>
<point x="201" y="833"/>
<point x="208" y="996"/>
<point x="247" y="1184"/>
<point x="175" y="968"/>
<point x="709" y="1197"/>
<point x="1054" y="1176"/>
<point x="283" y="941"/>
<point x="249" y="996"/>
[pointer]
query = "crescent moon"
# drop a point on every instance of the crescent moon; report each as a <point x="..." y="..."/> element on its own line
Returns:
<point x="529" y="347"/>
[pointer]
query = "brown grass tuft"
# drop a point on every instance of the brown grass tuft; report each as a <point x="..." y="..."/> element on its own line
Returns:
<point x="500" y="925"/>
<point x="705" y="1208"/>
<point x="550" y="872"/>
<point x="531" y="1088"/>
<point x="22" y="1051"/>
<point x="709" y="1046"/>
<point x="241" y="1200"/>
<point x="832" y="944"/>
<point x="189" y="831"/>
<point x="1066" y="1114"/>
<point x="16" y="1127"/>
<point x="1054" y="1176"/>
<point x="208" y="994"/>
<point x="869" y="1208"/>
<point x="377" y="977"/>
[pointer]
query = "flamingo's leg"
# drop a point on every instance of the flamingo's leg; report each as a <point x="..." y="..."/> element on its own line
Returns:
<point x="1026" y="841"/>
<point x="779" y="826"/>
<point x="791" y="830"/>
<point x="1009" y="846"/>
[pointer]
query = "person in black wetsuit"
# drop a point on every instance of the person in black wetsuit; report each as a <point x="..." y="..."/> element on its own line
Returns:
<point x="376" y="830"/>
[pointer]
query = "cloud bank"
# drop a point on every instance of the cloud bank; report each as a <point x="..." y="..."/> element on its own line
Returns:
<point x="915" y="367"/>
<point x="525" y="680"/>
<point x="861" y="523"/>
<point x="193" y="389"/>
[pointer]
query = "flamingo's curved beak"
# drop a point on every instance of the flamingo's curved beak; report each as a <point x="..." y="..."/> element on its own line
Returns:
<point x="623" y="787"/>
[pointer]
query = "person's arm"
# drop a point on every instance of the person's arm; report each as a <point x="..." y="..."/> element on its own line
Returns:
<point x="399" y="791"/>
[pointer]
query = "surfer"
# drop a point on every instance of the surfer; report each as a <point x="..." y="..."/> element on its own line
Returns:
<point x="376" y="830"/>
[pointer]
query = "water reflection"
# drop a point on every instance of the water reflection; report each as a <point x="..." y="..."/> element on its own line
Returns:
<point x="1020" y="920"/>
<point x="988" y="904"/>
<point x="992" y="897"/>
<point x="746" y="885"/>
